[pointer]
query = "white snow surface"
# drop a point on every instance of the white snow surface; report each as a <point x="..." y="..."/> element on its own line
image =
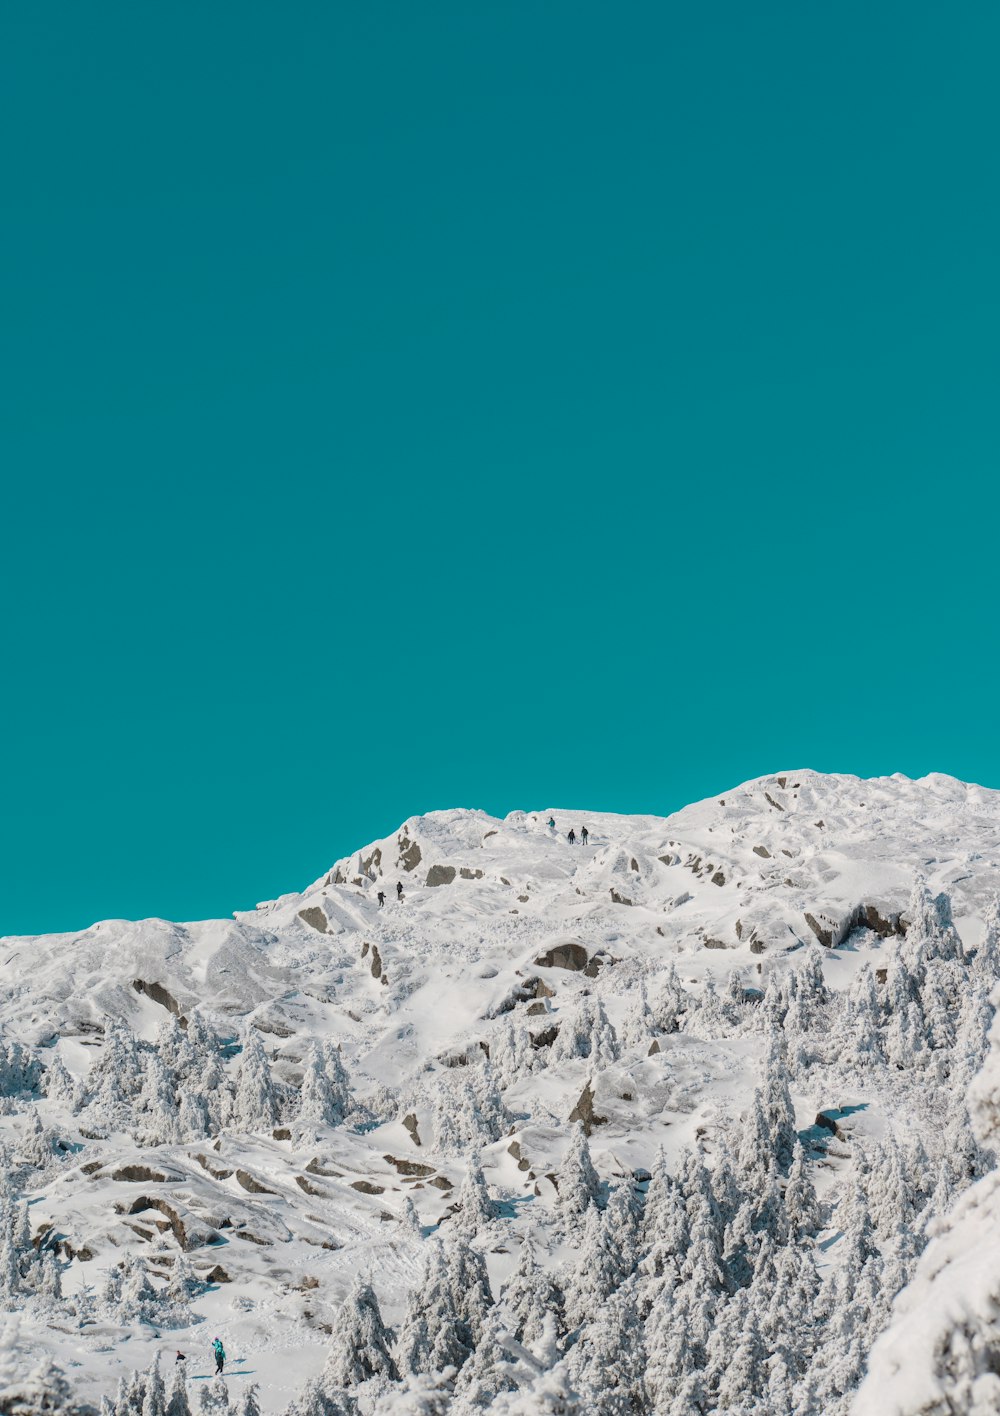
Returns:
<point x="728" y="883"/>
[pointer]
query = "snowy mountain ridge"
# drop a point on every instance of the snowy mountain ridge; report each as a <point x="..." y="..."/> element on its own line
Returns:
<point x="580" y="1114"/>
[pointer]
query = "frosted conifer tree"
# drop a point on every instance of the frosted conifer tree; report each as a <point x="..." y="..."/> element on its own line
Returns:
<point x="811" y="980"/>
<point x="154" y="1401"/>
<point x="778" y="1108"/>
<point x="325" y="1095"/>
<point x="317" y="1400"/>
<point x="670" y="1002"/>
<point x="965" y="1157"/>
<point x="445" y="1315"/>
<point x="754" y="1147"/>
<point x="359" y="1342"/>
<point x="476" y="1209"/>
<point x="888" y="1193"/>
<point x="621" y="1225"/>
<point x="203" y="1074"/>
<point x="744" y="1372"/>
<point x="577" y="1183"/>
<point x="20" y="1070"/>
<point x="61" y="1086"/>
<point x="512" y="1055"/>
<point x="639" y="1027"/>
<point x="529" y="1298"/>
<point x="37" y="1145"/>
<point x="466" y="1268"/>
<point x="727" y="1190"/>
<point x="213" y="1398"/>
<point x="137" y="1299"/>
<point x="587" y="1032"/>
<point x="939" y="999"/>
<point x="985" y="966"/>
<point x="798" y="1015"/>
<point x="595" y="1273"/>
<point x="193" y="1116"/>
<point x="708" y="1019"/>
<point x="543" y="1382"/>
<point x="116" y="1078"/>
<point x="247" y="1403"/>
<point x="463" y="1118"/>
<point x="487" y="1373"/>
<point x="972" y="1034"/>
<point x="255" y="1105"/>
<point x="931" y="933"/>
<point x="783" y="1295"/>
<point x="801" y="1208"/>
<point x="905" y="1037"/>
<point x="664" y="1219"/>
<point x="172" y="1046"/>
<point x="156" y="1108"/>
<point x="607" y="1365"/>
<point x="177" y="1398"/>
<point x="857" y="1036"/>
<point x="735" y="994"/>
<point x="411" y="1219"/>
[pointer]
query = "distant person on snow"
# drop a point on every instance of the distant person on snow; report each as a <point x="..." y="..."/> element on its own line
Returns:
<point x="552" y="822"/>
<point x="399" y="889"/>
<point x="571" y="837"/>
<point x="220" y="1356"/>
<point x="584" y="833"/>
<point x="381" y="898"/>
<point x="180" y="1357"/>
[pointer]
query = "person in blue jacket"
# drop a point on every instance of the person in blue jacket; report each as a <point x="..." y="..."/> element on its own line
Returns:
<point x="220" y="1356"/>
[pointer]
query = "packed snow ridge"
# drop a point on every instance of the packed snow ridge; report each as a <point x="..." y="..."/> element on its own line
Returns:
<point x="660" y="1118"/>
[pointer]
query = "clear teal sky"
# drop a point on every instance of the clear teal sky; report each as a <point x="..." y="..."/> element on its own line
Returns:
<point x="498" y="405"/>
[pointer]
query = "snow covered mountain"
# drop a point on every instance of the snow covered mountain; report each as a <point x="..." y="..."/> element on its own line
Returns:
<point x="659" y="1120"/>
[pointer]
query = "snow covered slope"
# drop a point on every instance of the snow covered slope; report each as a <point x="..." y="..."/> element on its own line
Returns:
<point x="217" y="1126"/>
<point x="941" y="1351"/>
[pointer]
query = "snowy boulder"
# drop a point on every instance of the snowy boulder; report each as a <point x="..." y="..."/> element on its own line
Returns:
<point x="190" y="1233"/>
<point x="566" y="954"/>
<point x="584" y="1112"/>
<point x="409" y="853"/>
<point x="250" y="1184"/>
<point x="440" y="875"/>
<point x="160" y="995"/>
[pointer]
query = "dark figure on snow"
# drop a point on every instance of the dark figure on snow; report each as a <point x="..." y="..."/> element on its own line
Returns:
<point x="219" y="1353"/>
<point x="571" y="837"/>
<point x="584" y="833"/>
<point x="399" y="889"/>
<point x="381" y="898"/>
<point x="180" y="1357"/>
<point x="552" y="822"/>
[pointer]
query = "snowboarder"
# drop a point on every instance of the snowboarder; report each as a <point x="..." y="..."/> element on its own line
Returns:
<point x="584" y="833"/>
<point x="220" y="1356"/>
<point x="399" y="889"/>
<point x="381" y="898"/>
<point x="571" y="837"/>
<point x="552" y="823"/>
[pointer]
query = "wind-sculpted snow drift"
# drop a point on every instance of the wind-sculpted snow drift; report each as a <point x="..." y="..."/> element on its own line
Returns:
<point x="660" y="1122"/>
